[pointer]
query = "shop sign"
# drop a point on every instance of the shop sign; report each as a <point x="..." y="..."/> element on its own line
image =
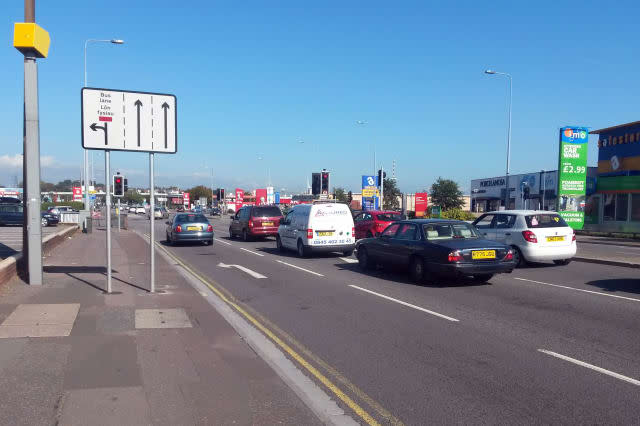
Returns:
<point x="421" y="204"/>
<point x="492" y="182"/>
<point x="572" y="175"/>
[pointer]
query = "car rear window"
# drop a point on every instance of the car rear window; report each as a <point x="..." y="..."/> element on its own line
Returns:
<point x="443" y="231"/>
<point x="190" y="218"/>
<point x="545" y="220"/>
<point x="389" y="217"/>
<point x="266" y="212"/>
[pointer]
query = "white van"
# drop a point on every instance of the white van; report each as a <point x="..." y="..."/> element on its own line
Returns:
<point x="312" y="228"/>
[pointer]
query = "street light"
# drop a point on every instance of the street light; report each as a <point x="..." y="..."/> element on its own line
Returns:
<point x="363" y="123"/>
<point x="86" y="152"/>
<point x="506" y="192"/>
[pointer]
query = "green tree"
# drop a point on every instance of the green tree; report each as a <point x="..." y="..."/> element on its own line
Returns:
<point x="132" y="197"/>
<point x="198" y="192"/>
<point x="446" y="194"/>
<point x="391" y="194"/>
<point x="340" y="195"/>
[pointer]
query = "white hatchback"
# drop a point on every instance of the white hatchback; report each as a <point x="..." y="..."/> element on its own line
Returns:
<point x="536" y="236"/>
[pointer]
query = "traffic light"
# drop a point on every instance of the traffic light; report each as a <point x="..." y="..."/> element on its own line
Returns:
<point x="324" y="189"/>
<point x="315" y="183"/>
<point x="126" y="184"/>
<point x="118" y="186"/>
<point x="526" y="191"/>
<point x="350" y="197"/>
<point x="381" y="176"/>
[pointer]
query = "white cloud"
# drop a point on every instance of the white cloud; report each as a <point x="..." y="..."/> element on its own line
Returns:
<point x="47" y="161"/>
<point x="11" y="161"/>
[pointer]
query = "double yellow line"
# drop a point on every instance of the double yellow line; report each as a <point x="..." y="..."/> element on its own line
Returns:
<point x="229" y="300"/>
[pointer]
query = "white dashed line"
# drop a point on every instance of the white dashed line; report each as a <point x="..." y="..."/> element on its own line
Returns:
<point x="297" y="267"/>
<point x="579" y="289"/>
<point x="404" y="303"/>
<point x="223" y="242"/>
<point x="592" y="367"/>
<point x="252" y="252"/>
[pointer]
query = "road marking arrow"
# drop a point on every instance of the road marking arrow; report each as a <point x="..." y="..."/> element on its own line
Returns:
<point x="243" y="269"/>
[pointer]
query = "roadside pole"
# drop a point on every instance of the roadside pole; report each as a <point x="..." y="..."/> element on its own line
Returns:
<point x="107" y="177"/>
<point x="152" y="236"/>
<point x="118" y="214"/>
<point x="381" y="188"/>
<point x="26" y="42"/>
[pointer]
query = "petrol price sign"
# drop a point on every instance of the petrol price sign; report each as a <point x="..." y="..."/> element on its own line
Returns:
<point x="572" y="175"/>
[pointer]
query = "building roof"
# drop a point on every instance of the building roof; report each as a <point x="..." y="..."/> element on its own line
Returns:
<point x="607" y="129"/>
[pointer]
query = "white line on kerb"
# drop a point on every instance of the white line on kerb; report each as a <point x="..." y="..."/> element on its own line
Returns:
<point x="592" y="367"/>
<point x="404" y="303"/>
<point x="579" y="289"/>
<point x="223" y="242"/>
<point x="252" y="252"/>
<point x="302" y="269"/>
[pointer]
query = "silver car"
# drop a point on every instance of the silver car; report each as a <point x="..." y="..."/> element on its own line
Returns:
<point x="187" y="227"/>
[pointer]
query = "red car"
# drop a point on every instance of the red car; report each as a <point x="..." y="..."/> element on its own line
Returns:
<point x="255" y="221"/>
<point x="371" y="223"/>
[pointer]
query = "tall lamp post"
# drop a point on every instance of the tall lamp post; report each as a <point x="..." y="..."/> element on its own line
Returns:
<point x="375" y="167"/>
<point x="506" y="192"/>
<point x="86" y="152"/>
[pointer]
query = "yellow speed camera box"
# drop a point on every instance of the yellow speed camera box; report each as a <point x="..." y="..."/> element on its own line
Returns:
<point x="29" y="37"/>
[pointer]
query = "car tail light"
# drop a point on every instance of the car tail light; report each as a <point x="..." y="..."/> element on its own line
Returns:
<point x="455" y="256"/>
<point x="529" y="236"/>
<point x="353" y="232"/>
<point x="509" y="255"/>
<point x="251" y="224"/>
<point x="209" y="228"/>
<point x="309" y="234"/>
<point x="573" y="238"/>
<point x="178" y="228"/>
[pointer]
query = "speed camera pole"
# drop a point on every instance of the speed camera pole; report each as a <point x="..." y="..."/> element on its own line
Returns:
<point x="107" y="173"/>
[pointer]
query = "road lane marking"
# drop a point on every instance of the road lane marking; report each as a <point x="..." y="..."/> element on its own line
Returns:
<point x="297" y="267"/>
<point x="254" y="274"/>
<point x="349" y="260"/>
<point x="405" y="303"/>
<point x="252" y="252"/>
<point x="284" y="346"/>
<point x="592" y="367"/>
<point x="579" y="289"/>
<point x="223" y="242"/>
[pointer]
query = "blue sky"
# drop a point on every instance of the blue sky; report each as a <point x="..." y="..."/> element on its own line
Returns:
<point x="253" y="80"/>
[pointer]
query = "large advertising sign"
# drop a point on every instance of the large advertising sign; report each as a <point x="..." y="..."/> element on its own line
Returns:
<point x="186" y="200"/>
<point x="239" y="198"/>
<point x="77" y="193"/>
<point x="370" y="192"/>
<point x="572" y="175"/>
<point x="421" y="204"/>
<point x="261" y="196"/>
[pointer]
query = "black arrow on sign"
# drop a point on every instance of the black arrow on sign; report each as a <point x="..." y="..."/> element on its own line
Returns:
<point x="138" y="104"/>
<point x="95" y="128"/>
<point x="165" y="107"/>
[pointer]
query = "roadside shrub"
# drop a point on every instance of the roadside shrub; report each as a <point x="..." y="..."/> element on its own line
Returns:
<point x="73" y="204"/>
<point x="457" y="214"/>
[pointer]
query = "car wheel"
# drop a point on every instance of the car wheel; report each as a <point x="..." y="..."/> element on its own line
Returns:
<point x="279" y="244"/>
<point x="347" y="253"/>
<point x="302" y="251"/>
<point x="44" y="222"/>
<point x="482" y="278"/>
<point x="518" y="258"/>
<point x="562" y="261"/>
<point x="416" y="270"/>
<point x="364" y="260"/>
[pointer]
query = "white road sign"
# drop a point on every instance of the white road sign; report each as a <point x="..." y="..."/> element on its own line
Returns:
<point x="122" y="120"/>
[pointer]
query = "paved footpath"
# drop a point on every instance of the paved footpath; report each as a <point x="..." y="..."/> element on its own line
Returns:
<point x="70" y="354"/>
<point x="606" y="250"/>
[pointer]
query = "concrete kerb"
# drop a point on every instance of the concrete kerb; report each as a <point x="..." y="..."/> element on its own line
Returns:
<point x="607" y="262"/>
<point x="10" y="266"/>
<point x="318" y="401"/>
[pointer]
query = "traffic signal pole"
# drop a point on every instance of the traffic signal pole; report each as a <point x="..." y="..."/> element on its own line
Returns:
<point x="381" y="188"/>
<point x="107" y="179"/>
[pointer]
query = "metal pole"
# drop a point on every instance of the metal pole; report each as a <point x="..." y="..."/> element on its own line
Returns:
<point x="86" y="151"/>
<point x="107" y="173"/>
<point x="544" y="188"/>
<point x="381" y="188"/>
<point x="507" y="195"/>
<point x="152" y="233"/>
<point x="118" y="214"/>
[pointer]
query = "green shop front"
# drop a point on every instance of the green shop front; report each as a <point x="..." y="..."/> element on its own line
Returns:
<point x="615" y="206"/>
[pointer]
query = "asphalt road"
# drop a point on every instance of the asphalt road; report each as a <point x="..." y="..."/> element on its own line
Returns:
<point x="11" y="238"/>
<point x="545" y="344"/>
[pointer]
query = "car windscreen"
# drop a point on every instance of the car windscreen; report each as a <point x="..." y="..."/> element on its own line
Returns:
<point x="388" y="217"/>
<point x="266" y="212"/>
<point x="191" y="218"/>
<point x="443" y="231"/>
<point x="545" y="220"/>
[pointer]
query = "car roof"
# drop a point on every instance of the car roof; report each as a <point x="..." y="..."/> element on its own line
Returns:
<point x="523" y="212"/>
<point x="427" y="221"/>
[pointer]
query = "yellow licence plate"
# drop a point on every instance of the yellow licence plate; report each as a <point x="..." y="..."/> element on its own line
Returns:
<point x="267" y="223"/>
<point x="193" y="228"/>
<point x="325" y="234"/>
<point x="483" y="254"/>
<point x="560" y="238"/>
